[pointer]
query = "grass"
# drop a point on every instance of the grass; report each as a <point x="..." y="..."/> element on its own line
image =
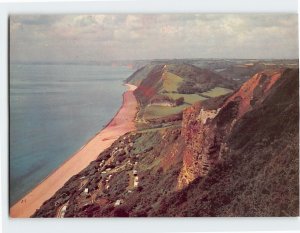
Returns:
<point x="145" y="142"/>
<point x="171" y="82"/>
<point x="164" y="126"/>
<point x="153" y="111"/>
<point x="188" y="98"/>
<point x="217" y="91"/>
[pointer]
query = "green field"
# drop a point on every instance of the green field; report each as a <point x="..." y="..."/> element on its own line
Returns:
<point x="188" y="98"/>
<point x="217" y="91"/>
<point x="171" y="82"/>
<point x="154" y="111"/>
<point x="169" y="88"/>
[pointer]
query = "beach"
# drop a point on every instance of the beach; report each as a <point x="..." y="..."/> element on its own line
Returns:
<point x="122" y="123"/>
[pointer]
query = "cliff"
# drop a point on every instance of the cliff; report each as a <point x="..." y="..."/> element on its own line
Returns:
<point x="233" y="155"/>
<point x="247" y="157"/>
<point x="205" y="131"/>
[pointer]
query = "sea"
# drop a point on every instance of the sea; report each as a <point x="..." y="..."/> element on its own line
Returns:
<point x="54" y="111"/>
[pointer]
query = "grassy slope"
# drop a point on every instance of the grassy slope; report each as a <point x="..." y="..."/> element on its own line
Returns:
<point x="157" y="177"/>
<point x="188" y="98"/>
<point x="171" y="82"/>
<point x="155" y="111"/>
<point x="157" y="81"/>
<point x="217" y="91"/>
<point x="168" y="86"/>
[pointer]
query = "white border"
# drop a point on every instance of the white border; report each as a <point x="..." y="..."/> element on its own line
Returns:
<point x="127" y="225"/>
<point x="152" y="6"/>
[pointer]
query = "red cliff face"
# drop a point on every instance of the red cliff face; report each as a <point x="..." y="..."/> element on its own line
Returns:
<point x="205" y="130"/>
<point x="254" y="90"/>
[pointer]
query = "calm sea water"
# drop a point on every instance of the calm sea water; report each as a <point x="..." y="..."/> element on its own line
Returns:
<point x="54" y="110"/>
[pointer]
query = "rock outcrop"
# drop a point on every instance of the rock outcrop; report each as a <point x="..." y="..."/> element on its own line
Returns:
<point x="205" y="130"/>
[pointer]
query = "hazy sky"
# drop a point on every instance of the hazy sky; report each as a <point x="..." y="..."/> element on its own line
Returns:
<point x="122" y="36"/>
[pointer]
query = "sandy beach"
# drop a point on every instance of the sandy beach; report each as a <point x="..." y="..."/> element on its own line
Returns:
<point x="122" y="123"/>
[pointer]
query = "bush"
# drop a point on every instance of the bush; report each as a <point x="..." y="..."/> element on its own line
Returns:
<point x="141" y="214"/>
<point x="121" y="212"/>
<point x="179" y="101"/>
<point x="140" y="189"/>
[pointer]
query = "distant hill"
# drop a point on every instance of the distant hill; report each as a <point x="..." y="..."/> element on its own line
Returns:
<point x="199" y="79"/>
<point x="166" y="85"/>
<point x="188" y="79"/>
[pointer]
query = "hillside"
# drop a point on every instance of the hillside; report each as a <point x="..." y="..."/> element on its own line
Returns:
<point x="249" y="164"/>
<point x="232" y="155"/>
<point x="175" y="78"/>
<point x="165" y="90"/>
<point x="137" y="77"/>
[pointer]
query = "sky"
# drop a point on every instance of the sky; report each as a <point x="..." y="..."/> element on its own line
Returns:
<point x="77" y="38"/>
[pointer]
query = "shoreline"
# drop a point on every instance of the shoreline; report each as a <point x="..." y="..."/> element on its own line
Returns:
<point x="121" y="123"/>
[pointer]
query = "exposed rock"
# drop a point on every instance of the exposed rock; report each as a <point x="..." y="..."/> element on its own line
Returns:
<point x="205" y="130"/>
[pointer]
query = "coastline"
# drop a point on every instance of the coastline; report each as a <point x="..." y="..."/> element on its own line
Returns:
<point x="121" y="123"/>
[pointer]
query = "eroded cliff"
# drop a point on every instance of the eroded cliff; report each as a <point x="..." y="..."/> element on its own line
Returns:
<point x="205" y="127"/>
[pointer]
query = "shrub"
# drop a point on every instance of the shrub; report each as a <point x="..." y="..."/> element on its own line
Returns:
<point x="179" y="101"/>
<point x="121" y="212"/>
<point x="140" y="189"/>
